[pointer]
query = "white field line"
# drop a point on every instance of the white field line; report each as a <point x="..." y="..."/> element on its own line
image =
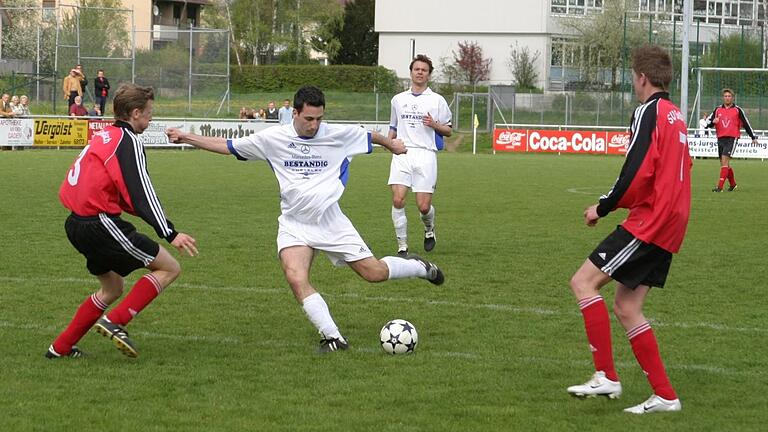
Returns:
<point x="715" y="370"/>
<point x="482" y="306"/>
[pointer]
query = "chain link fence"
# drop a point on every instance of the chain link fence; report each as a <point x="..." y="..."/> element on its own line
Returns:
<point x="189" y="68"/>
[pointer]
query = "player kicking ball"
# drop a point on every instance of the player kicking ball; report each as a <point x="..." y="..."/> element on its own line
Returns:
<point x="311" y="162"/>
<point x="655" y="185"/>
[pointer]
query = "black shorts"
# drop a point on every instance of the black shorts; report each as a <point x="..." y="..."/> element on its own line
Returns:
<point x="110" y="244"/>
<point x="726" y="146"/>
<point x="631" y="261"/>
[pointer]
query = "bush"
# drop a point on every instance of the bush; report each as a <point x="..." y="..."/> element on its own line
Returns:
<point x="272" y="78"/>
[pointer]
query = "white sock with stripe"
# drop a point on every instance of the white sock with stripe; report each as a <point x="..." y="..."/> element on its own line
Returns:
<point x="429" y="219"/>
<point x="317" y="311"/>
<point x="400" y="220"/>
<point x="401" y="268"/>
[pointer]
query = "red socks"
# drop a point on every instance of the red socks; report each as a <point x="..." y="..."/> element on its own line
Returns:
<point x="647" y="354"/>
<point x="731" y="178"/>
<point x="142" y="293"/>
<point x="724" y="173"/>
<point x="598" y="326"/>
<point x="86" y="316"/>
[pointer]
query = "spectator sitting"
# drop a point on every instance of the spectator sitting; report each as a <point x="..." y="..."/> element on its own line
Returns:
<point x="77" y="109"/>
<point x="22" y="108"/>
<point x="262" y="115"/>
<point x="14" y="102"/>
<point x="5" y="106"/>
<point x="95" y="111"/>
<point x="247" y="113"/>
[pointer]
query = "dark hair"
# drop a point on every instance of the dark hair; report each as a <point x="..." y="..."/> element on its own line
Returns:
<point x="655" y="63"/>
<point x="129" y="97"/>
<point x="422" y="58"/>
<point x="308" y="95"/>
<point x="100" y="70"/>
<point x="727" y="90"/>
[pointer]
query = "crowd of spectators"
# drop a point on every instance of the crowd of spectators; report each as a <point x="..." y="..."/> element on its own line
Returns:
<point x="283" y="115"/>
<point x="75" y="85"/>
<point x="14" y="106"/>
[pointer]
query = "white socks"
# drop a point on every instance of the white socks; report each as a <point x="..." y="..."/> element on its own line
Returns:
<point x="317" y="311"/>
<point x="401" y="268"/>
<point x="401" y="223"/>
<point x="429" y="219"/>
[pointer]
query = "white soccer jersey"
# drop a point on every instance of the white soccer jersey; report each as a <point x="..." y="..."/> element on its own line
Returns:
<point x="409" y="108"/>
<point x="312" y="172"/>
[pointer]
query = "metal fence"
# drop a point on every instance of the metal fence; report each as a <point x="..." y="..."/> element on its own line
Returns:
<point x="189" y="67"/>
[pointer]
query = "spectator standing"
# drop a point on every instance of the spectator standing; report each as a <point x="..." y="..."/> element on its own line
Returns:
<point x="285" y="114"/>
<point x="272" y="113"/>
<point x="77" y="109"/>
<point x="72" y="87"/>
<point x="100" y="89"/>
<point x="82" y="78"/>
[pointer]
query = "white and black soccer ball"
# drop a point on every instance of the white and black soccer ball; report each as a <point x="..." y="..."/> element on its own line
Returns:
<point x="398" y="337"/>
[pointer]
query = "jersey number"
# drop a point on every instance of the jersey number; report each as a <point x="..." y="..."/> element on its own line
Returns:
<point x="74" y="173"/>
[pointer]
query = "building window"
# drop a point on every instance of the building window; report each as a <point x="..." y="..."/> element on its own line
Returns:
<point x="576" y="7"/>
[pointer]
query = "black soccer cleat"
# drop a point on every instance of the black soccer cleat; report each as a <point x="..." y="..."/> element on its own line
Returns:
<point x="434" y="274"/>
<point x="73" y="353"/>
<point x="332" y="344"/>
<point x="732" y="188"/>
<point x="402" y="252"/>
<point x="118" y="335"/>
<point x="717" y="189"/>
<point x="429" y="240"/>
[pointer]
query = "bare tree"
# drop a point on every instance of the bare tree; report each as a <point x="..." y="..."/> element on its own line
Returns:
<point x="522" y="64"/>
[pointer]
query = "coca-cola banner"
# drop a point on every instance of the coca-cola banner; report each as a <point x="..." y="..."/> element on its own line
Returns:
<point x="607" y="142"/>
<point x="555" y="141"/>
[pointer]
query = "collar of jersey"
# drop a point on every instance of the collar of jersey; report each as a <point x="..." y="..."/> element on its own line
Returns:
<point x="427" y="91"/>
<point x="658" y="95"/>
<point x="123" y="124"/>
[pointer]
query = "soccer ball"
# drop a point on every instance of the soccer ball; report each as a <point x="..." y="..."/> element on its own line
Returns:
<point x="398" y="337"/>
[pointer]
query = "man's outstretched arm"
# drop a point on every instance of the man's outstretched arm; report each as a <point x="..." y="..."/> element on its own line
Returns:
<point x="212" y="144"/>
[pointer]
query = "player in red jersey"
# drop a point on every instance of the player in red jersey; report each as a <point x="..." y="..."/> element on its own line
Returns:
<point x="655" y="185"/>
<point x="108" y="177"/>
<point x="728" y="119"/>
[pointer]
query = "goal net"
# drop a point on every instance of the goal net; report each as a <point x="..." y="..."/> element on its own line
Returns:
<point x="750" y="86"/>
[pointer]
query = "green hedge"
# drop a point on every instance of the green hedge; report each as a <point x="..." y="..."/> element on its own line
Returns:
<point x="272" y="78"/>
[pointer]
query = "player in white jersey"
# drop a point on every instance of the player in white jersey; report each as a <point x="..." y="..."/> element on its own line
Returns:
<point x="311" y="162"/>
<point x="420" y="118"/>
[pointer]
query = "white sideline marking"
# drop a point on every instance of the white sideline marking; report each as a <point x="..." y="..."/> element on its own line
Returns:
<point x="446" y="354"/>
<point x="486" y="306"/>
<point x="585" y="191"/>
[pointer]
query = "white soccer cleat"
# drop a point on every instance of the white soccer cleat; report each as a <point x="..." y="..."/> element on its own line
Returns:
<point x="655" y="404"/>
<point x="598" y="385"/>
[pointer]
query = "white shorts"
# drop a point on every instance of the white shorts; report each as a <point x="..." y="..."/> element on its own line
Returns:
<point x="334" y="234"/>
<point x="416" y="169"/>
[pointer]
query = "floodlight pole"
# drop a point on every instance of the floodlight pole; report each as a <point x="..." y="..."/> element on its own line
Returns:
<point x="687" y="19"/>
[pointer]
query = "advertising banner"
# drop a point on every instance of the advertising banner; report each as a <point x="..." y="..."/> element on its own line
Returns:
<point x="607" y="142"/>
<point x="61" y="133"/>
<point x="16" y="132"/>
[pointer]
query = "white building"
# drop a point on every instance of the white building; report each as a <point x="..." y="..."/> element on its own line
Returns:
<point x="435" y="27"/>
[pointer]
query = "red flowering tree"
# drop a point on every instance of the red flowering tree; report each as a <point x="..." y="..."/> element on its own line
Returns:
<point x="470" y="60"/>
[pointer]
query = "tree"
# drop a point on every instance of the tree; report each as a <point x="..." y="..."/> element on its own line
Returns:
<point x="358" y="43"/>
<point x="268" y="31"/>
<point x="522" y="64"/>
<point x="470" y="60"/>
<point x="602" y="37"/>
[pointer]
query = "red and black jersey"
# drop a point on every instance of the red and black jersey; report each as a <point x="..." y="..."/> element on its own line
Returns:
<point x="110" y="176"/>
<point x="655" y="181"/>
<point x="732" y="119"/>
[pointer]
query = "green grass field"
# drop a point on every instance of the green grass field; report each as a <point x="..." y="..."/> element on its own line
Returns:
<point x="226" y="347"/>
